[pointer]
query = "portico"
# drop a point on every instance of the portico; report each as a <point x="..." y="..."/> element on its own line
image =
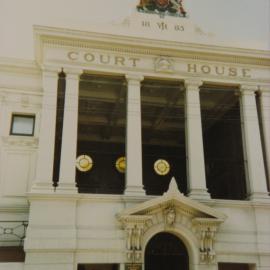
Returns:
<point x="76" y="62"/>
<point x="145" y="79"/>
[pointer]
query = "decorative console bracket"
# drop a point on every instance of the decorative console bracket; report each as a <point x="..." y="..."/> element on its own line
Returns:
<point x="134" y="226"/>
<point x="207" y="229"/>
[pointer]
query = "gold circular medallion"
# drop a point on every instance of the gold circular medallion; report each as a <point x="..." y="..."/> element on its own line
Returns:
<point x="84" y="163"/>
<point x="121" y="164"/>
<point x="162" y="167"/>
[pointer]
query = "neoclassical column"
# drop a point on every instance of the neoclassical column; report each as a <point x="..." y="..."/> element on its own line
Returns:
<point x="256" y="177"/>
<point x="194" y="141"/>
<point x="134" y="179"/>
<point x="67" y="172"/>
<point x="264" y="98"/>
<point x="45" y="159"/>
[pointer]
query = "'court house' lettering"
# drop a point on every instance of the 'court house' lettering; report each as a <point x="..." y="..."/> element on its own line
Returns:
<point x="104" y="59"/>
<point x="219" y="70"/>
<point x="125" y="61"/>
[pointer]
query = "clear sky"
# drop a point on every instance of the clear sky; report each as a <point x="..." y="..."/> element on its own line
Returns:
<point x="235" y="23"/>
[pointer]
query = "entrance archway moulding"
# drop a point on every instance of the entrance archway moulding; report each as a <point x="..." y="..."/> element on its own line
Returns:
<point x="194" y="223"/>
<point x="180" y="231"/>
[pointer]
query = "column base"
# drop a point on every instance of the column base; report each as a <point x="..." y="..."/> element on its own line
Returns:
<point x="199" y="194"/>
<point x="206" y="267"/>
<point x="43" y="187"/>
<point x="259" y="197"/>
<point x="135" y="191"/>
<point x="66" y="188"/>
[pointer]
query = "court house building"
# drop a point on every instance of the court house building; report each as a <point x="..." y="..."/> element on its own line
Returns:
<point x="135" y="136"/>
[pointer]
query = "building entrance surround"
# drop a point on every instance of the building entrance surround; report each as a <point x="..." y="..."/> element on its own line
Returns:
<point x="173" y="213"/>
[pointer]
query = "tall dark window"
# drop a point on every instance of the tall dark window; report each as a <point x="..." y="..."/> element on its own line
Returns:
<point x="163" y="135"/>
<point x="59" y="126"/>
<point x="101" y="133"/>
<point x="223" y="148"/>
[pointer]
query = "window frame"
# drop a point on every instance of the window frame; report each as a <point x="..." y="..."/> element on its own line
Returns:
<point x="14" y="115"/>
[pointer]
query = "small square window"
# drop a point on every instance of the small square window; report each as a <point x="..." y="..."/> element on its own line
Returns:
<point x="22" y="125"/>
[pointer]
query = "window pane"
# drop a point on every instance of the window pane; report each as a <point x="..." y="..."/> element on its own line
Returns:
<point x="23" y="125"/>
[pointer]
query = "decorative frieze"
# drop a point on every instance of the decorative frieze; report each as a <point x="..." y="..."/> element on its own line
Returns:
<point x="59" y="38"/>
<point x="163" y="64"/>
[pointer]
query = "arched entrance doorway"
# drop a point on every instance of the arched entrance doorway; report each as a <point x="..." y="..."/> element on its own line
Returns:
<point x="166" y="251"/>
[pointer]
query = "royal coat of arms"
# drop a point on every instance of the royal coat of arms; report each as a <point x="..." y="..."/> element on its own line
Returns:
<point x="162" y="7"/>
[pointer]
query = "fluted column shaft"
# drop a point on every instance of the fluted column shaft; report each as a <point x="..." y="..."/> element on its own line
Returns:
<point x="45" y="159"/>
<point x="265" y="114"/>
<point x="134" y="178"/>
<point x="256" y="177"/>
<point x="67" y="173"/>
<point x="194" y="141"/>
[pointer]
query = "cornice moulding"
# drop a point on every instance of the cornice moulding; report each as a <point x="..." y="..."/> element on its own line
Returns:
<point x="14" y="209"/>
<point x="20" y="141"/>
<point x="6" y="90"/>
<point x="19" y="66"/>
<point x="50" y="36"/>
<point x="80" y="197"/>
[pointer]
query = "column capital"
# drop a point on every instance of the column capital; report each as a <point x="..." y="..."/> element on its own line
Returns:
<point x="51" y="70"/>
<point x="265" y="89"/>
<point x="193" y="84"/>
<point x="134" y="78"/>
<point x="248" y="89"/>
<point x="73" y="72"/>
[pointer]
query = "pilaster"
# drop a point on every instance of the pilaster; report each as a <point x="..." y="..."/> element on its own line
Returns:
<point x="45" y="159"/>
<point x="252" y="144"/>
<point x="67" y="173"/>
<point x="194" y="141"/>
<point x="134" y="179"/>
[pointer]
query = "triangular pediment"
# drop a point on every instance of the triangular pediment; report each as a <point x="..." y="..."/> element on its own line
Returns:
<point x="174" y="198"/>
<point x="173" y="211"/>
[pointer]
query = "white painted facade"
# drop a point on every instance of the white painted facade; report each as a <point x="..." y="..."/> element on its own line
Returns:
<point x="67" y="228"/>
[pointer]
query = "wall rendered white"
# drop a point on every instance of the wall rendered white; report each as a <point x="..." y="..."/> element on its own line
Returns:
<point x="232" y="23"/>
<point x="20" y="92"/>
<point x="11" y="266"/>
